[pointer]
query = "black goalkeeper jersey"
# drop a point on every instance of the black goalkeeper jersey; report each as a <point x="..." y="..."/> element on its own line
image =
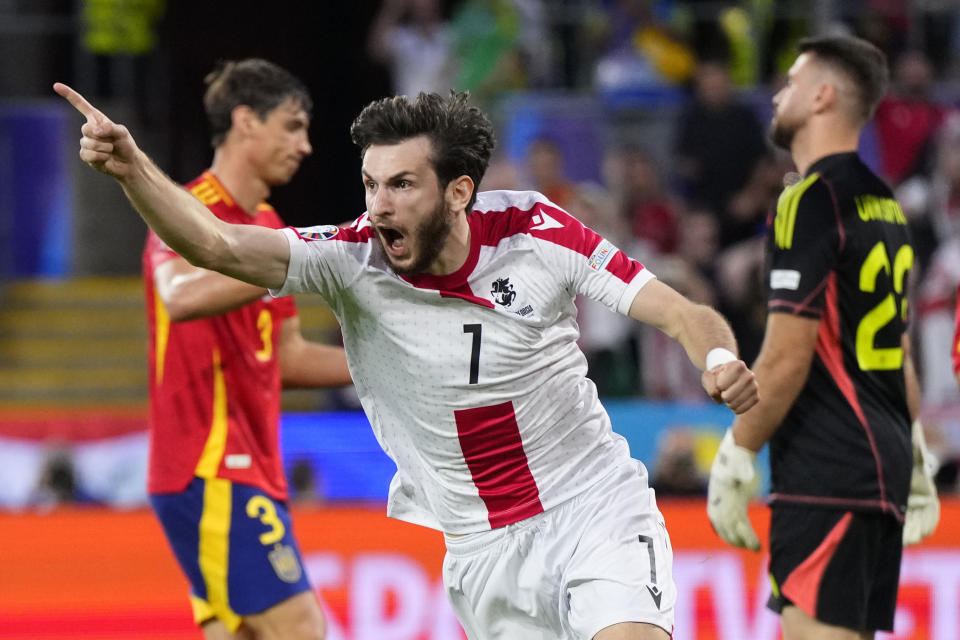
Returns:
<point x="839" y="250"/>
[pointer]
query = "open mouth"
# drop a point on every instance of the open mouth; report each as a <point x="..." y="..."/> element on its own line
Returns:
<point x="393" y="240"/>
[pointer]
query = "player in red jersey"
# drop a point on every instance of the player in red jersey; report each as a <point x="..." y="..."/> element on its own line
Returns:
<point x="220" y="349"/>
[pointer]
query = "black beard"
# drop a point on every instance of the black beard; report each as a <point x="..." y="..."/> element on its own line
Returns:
<point x="781" y="135"/>
<point x="431" y="234"/>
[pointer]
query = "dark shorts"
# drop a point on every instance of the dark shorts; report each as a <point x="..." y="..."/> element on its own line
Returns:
<point x="840" y="567"/>
<point x="235" y="544"/>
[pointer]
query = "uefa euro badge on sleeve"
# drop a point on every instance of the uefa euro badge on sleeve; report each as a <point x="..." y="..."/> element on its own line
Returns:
<point x="923" y="505"/>
<point x="731" y="484"/>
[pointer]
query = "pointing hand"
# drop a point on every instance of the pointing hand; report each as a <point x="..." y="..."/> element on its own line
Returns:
<point x="106" y="146"/>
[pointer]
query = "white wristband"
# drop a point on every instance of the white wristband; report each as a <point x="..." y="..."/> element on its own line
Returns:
<point x="718" y="356"/>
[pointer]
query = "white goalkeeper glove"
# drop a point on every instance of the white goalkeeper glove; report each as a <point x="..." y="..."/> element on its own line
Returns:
<point x="729" y="490"/>
<point x="923" y="506"/>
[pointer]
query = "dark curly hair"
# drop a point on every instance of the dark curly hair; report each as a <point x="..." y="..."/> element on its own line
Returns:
<point x="256" y="83"/>
<point x="461" y="135"/>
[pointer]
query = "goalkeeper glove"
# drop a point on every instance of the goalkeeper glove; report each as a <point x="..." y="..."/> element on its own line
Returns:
<point x="729" y="490"/>
<point x="923" y="506"/>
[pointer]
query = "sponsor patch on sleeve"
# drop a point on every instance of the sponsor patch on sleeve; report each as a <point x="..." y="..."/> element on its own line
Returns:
<point x="601" y="255"/>
<point x="784" y="279"/>
<point x="323" y="232"/>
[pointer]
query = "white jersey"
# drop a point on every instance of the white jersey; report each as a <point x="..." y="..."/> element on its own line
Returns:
<point x="473" y="382"/>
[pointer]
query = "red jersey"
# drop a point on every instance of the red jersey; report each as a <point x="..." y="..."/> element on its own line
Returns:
<point x="904" y="126"/>
<point x="956" y="338"/>
<point x="215" y="382"/>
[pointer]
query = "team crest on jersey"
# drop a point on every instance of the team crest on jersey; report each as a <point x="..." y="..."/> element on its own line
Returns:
<point x="502" y="292"/>
<point x="324" y="232"/>
<point x="285" y="563"/>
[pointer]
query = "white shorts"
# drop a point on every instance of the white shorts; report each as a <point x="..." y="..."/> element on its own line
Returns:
<point x="602" y="558"/>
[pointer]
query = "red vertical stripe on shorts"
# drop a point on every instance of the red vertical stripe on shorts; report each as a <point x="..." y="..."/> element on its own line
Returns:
<point x="803" y="583"/>
<point x="491" y="445"/>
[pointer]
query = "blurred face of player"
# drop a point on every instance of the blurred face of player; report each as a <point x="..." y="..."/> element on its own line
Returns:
<point x="279" y="143"/>
<point x="407" y="207"/>
<point x="792" y="104"/>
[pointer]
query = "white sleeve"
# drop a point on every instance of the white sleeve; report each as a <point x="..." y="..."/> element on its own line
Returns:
<point x="320" y="261"/>
<point x="588" y="263"/>
<point x="609" y="276"/>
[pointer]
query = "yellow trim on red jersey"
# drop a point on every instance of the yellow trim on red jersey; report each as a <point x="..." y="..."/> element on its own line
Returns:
<point x="161" y="320"/>
<point x="209" y="191"/>
<point x="209" y="462"/>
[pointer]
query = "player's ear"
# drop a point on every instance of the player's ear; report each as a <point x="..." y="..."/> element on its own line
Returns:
<point x="242" y="119"/>
<point x="458" y="193"/>
<point x="824" y="97"/>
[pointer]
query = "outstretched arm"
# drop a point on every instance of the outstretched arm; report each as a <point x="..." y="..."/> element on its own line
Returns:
<point x="251" y="253"/>
<point x="700" y="330"/>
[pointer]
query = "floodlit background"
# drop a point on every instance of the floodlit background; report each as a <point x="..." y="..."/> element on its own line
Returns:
<point x="644" y="118"/>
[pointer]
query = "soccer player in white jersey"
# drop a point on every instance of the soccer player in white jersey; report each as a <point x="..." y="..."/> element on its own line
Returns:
<point x="459" y="326"/>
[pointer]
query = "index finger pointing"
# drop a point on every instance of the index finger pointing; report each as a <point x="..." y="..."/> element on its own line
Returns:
<point x="80" y="103"/>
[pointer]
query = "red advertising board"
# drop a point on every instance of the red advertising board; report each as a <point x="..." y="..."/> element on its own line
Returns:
<point x="96" y="573"/>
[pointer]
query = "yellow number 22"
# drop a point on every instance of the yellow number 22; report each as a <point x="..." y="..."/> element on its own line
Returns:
<point x="869" y="356"/>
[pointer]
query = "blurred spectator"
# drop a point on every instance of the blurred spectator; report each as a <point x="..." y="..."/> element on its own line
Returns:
<point x="641" y="48"/>
<point x="500" y="46"/>
<point x="779" y="26"/>
<point x="931" y="198"/>
<point x="689" y="270"/>
<point x="304" y="484"/>
<point x="719" y="140"/>
<point x="932" y="205"/>
<point x="907" y="118"/>
<point x="58" y="483"/>
<point x="675" y="471"/>
<point x="743" y="294"/>
<point x="120" y="39"/>
<point x="594" y="205"/>
<point x="931" y="201"/>
<point x="546" y="172"/>
<point x="934" y="315"/>
<point x="746" y="213"/>
<point x="938" y="22"/>
<point x="609" y="340"/>
<point x="649" y="209"/>
<point x="412" y="39"/>
<point x="501" y="174"/>
<point x="896" y="26"/>
<point x="885" y="23"/>
<point x="697" y="249"/>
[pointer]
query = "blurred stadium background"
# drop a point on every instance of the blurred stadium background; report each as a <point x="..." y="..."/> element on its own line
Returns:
<point x="643" y="117"/>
